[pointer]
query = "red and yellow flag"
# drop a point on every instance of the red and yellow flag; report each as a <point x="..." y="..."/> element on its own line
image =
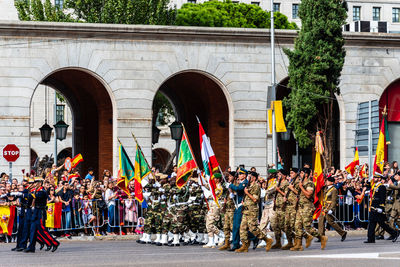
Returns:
<point x="7" y="215"/>
<point x="186" y="162"/>
<point x="318" y="176"/>
<point x="53" y="219"/>
<point x="351" y="168"/>
<point x="380" y="150"/>
<point x="142" y="170"/>
<point x="363" y="171"/>
<point x="76" y="160"/>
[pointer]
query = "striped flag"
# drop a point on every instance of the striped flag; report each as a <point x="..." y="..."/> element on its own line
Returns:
<point x="126" y="171"/>
<point x="53" y="219"/>
<point x="142" y="171"/>
<point x="318" y="176"/>
<point x="186" y="162"/>
<point x="210" y="162"/>
<point x="351" y="168"/>
<point x="76" y="160"/>
<point x="7" y="214"/>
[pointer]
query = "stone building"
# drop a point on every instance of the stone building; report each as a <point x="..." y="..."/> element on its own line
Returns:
<point x="109" y="75"/>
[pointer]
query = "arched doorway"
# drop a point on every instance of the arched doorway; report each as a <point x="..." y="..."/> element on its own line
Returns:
<point x="192" y="94"/>
<point x="294" y="156"/>
<point x="391" y="100"/>
<point x="92" y="116"/>
<point x="161" y="157"/>
<point x="66" y="152"/>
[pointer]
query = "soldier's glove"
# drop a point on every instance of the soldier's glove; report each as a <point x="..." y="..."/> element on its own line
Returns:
<point x="163" y="197"/>
<point x="16" y="194"/>
<point x="161" y="190"/>
<point x="379" y="210"/>
<point x="176" y="197"/>
<point x="231" y="195"/>
<point x="157" y="184"/>
<point x="386" y="185"/>
<point x="330" y="212"/>
<point x="227" y="185"/>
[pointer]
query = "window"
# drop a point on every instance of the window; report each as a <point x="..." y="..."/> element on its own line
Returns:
<point x="295" y="11"/>
<point x="255" y="3"/>
<point x="60" y="112"/>
<point x="356" y="13"/>
<point x="277" y="7"/>
<point x="395" y="14"/>
<point x="376" y="13"/>
<point x="59" y="3"/>
<point x="192" y="1"/>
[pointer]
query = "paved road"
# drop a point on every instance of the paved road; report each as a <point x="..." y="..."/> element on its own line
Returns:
<point x="352" y="252"/>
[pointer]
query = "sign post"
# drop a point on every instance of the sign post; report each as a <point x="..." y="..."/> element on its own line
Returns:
<point x="11" y="154"/>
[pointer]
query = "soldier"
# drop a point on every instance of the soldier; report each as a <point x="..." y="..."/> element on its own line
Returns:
<point x="377" y="210"/>
<point x="279" y="206"/>
<point x="196" y="223"/>
<point x="167" y="216"/>
<point x="250" y="215"/>
<point x="395" y="213"/>
<point x="180" y="219"/>
<point x="292" y="193"/>
<point x="213" y="214"/>
<point x="304" y="215"/>
<point x="159" y="206"/>
<point x="152" y="201"/>
<point x="228" y="209"/>
<point x="268" y="213"/>
<point x="328" y="207"/>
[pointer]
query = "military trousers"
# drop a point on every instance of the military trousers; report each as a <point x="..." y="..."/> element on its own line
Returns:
<point x="331" y="221"/>
<point x="250" y="224"/>
<point x="290" y="219"/>
<point x="378" y="218"/>
<point x="228" y="223"/>
<point x="212" y="219"/>
<point x="268" y="216"/>
<point x="279" y="222"/>
<point x="304" y="219"/>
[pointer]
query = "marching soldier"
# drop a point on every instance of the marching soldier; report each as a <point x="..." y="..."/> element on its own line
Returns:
<point x="328" y="207"/>
<point x="149" y="229"/>
<point x="196" y="222"/>
<point x="229" y="209"/>
<point x="395" y="213"/>
<point x="250" y="215"/>
<point x="279" y="206"/>
<point x="291" y="197"/>
<point x="167" y="218"/>
<point x="304" y="215"/>
<point x="213" y="214"/>
<point x="377" y="211"/>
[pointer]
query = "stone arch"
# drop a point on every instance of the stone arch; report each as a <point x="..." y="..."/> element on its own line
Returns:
<point x="210" y="92"/>
<point x="94" y="114"/>
<point x="160" y="158"/>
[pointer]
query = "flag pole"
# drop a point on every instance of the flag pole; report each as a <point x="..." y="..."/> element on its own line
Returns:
<point x="141" y="151"/>
<point x="190" y="147"/>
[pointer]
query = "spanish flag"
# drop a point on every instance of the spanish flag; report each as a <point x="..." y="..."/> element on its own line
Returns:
<point x="351" y="168"/>
<point x="7" y="215"/>
<point x="318" y="176"/>
<point x="76" y="160"/>
<point x="53" y="219"/>
<point x="380" y="149"/>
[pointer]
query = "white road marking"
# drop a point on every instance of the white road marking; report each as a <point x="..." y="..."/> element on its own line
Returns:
<point x="372" y="255"/>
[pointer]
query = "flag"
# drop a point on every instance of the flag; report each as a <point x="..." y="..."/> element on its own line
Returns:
<point x="76" y="160"/>
<point x="363" y="171"/>
<point x="7" y="215"/>
<point x="380" y="150"/>
<point x="280" y="126"/>
<point x="186" y="162"/>
<point x="318" y="176"/>
<point x="74" y="175"/>
<point x="126" y="171"/>
<point x="209" y="160"/>
<point x="351" y="168"/>
<point x="142" y="170"/>
<point x="53" y="219"/>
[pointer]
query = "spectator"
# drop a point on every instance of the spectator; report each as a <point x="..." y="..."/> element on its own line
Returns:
<point x="90" y="175"/>
<point x="65" y="196"/>
<point x="86" y="210"/>
<point x="110" y="197"/>
<point x="130" y="214"/>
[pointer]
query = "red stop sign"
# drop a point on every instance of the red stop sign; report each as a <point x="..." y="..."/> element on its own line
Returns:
<point x="11" y="152"/>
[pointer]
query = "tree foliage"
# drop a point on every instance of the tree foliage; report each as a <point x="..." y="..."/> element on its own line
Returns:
<point x="228" y="14"/>
<point x="314" y="71"/>
<point x="35" y="10"/>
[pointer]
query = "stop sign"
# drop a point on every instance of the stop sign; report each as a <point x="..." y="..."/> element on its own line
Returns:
<point x="11" y="152"/>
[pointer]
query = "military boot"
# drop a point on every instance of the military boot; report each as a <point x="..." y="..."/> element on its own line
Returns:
<point x="324" y="239"/>
<point x="244" y="247"/>
<point x="309" y="239"/>
<point x="226" y="245"/>
<point x="268" y="242"/>
<point x="297" y="245"/>
<point x="289" y="245"/>
<point x="277" y="244"/>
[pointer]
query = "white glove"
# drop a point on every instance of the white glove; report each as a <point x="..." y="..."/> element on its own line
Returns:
<point x="379" y="210"/>
<point x="227" y="185"/>
<point x="207" y="193"/>
<point x="386" y="185"/>
<point x="16" y="194"/>
<point x="163" y="197"/>
<point x="146" y="195"/>
<point x="192" y="198"/>
<point x="161" y="190"/>
<point x="175" y="197"/>
<point x="157" y="184"/>
<point x="231" y="195"/>
<point x="330" y="212"/>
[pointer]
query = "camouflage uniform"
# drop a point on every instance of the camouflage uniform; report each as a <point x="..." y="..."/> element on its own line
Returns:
<point x="290" y="213"/>
<point x="213" y="215"/>
<point x="280" y="210"/>
<point x="195" y="210"/>
<point x="395" y="212"/>
<point x="150" y="222"/>
<point x="304" y="216"/>
<point x="268" y="214"/>
<point x="250" y="215"/>
<point x="169" y="211"/>
<point x="228" y="215"/>
<point x="179" y="221"/>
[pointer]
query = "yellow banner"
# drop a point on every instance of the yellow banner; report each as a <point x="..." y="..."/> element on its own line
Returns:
<point x="270" y="120"/>
<point x="279" y="121"/>
<point x="50" y="215"/>
<point x="4" y="218"/>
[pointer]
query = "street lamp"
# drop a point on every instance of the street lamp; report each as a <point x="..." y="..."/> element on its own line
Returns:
<point x="45" y="132"/>
<point x="176" y="134"/>
<point x="61" y="130"/>
<point x="156" y="135"/>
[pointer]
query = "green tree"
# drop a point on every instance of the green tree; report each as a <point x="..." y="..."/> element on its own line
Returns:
<point x="36" y="10"/>
<point x="314" y="71"/>
<point x="228" y="14"/>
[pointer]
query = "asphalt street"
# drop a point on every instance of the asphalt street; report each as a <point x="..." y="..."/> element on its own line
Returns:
<point x="352" y="252"/>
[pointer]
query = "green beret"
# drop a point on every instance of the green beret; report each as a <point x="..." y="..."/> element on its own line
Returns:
<point x="272" y="171"/>
<point x="217" y="175"/>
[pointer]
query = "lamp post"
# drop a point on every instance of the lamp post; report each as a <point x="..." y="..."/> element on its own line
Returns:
<point x="156" y="135"/>
<point x="176" y="134"/>
<point x="61" y="129"/>
<point x="297" y="151"/>
<point x="45" y="132"/>
<point x="273" y="87"/>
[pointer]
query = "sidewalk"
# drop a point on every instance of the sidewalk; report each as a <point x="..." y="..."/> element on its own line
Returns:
<point x="352" y="233"/>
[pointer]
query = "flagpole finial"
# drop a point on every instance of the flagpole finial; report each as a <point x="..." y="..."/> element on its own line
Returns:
<point x="384" y="112"/>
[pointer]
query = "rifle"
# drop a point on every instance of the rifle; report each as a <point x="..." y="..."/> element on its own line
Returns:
<point x="276" y="193"/>
<point x="298" y="196"/>
<point x="288" y="192"/>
